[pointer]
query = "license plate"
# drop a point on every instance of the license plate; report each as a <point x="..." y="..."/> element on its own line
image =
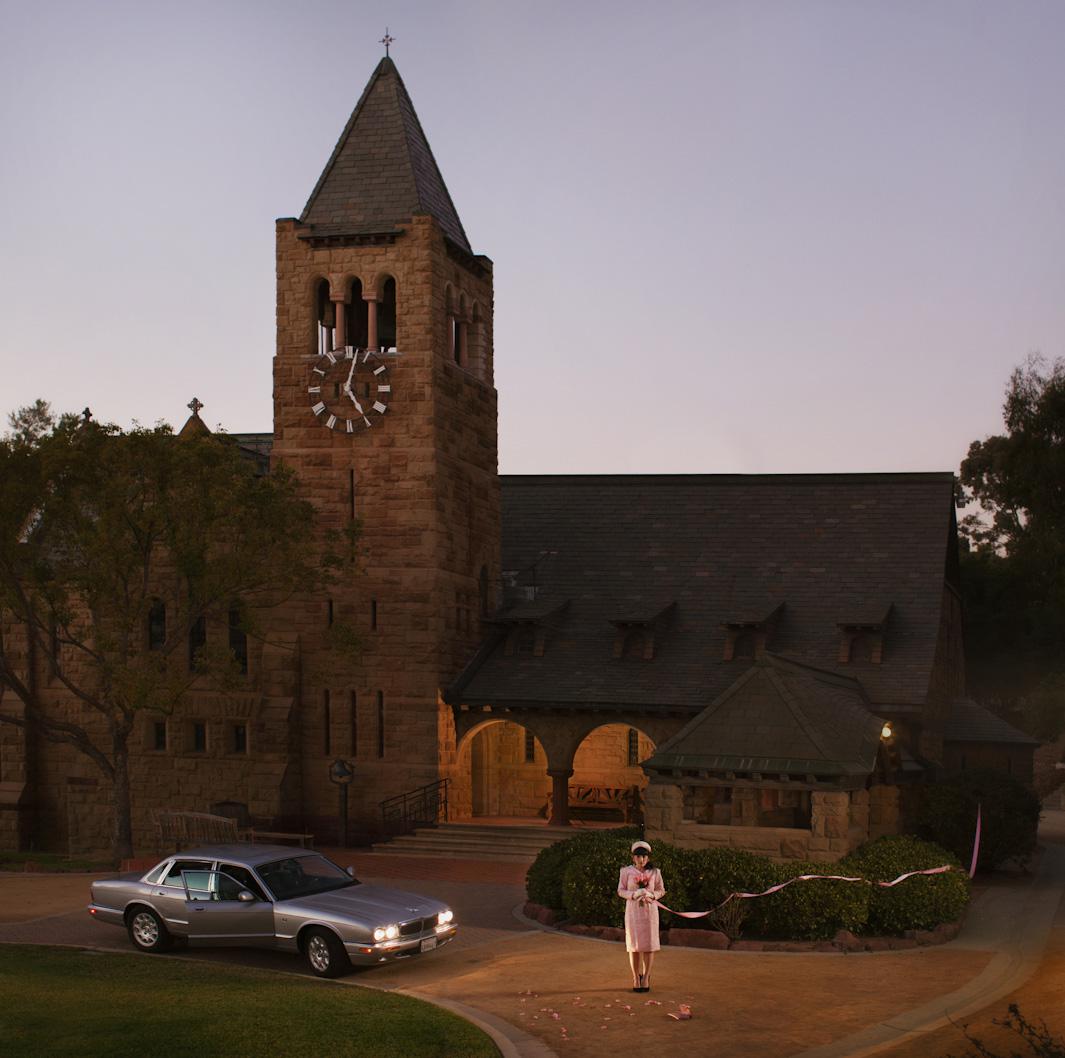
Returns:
<point x="428" y="944"/>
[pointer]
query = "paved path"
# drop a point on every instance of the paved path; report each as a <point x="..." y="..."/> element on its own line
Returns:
<point x="755" y="1005"/>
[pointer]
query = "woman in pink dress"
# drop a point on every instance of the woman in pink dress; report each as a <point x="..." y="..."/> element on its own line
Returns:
<point x="640" y="886"/>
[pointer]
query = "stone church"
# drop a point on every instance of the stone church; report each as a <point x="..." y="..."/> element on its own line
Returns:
<point x="764" y="661"/>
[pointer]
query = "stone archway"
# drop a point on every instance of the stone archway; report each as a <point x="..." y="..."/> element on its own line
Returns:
<point x="607" y="781"/>
<point x="501" y="773"/>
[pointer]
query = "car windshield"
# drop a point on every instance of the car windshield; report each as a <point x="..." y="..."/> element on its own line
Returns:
<point x="299" y="876"/>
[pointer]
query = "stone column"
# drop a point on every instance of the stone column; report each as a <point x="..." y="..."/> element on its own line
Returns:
<point x="340" y="338"/>
<point x="559" y="796"/>
<point x="830" y="823"/>
<point x="371" y="320"/>
<point x="883" y="811"/>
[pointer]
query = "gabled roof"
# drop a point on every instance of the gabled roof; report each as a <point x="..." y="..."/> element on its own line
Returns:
<point x="970" y="722"/>
<point x="382" y="171"/>
<point x="779" y="718"/>
<point x="722" y="547"/>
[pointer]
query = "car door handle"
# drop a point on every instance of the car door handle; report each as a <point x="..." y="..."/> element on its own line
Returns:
<point x="199" y="909"/>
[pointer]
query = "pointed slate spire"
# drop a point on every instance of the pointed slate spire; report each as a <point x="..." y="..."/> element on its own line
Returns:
<point x="382" y="171"/>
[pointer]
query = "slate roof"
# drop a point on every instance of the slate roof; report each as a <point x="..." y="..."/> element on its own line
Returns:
<point x="723" y="547"/>
<point x="779" y="717"/>
<point x="970" y="722"/>
<point x="382" y="171"/>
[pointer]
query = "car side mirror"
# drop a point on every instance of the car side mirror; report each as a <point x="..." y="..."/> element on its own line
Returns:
<point x="349" y="871"/>
<point x="245" y="897"/>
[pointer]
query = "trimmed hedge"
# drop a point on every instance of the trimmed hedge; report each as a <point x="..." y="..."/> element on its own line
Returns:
<point x="814" y="910"/>
<point x="543" y="881"/>
<point x="579" y="877"/>
<point x="922" y="902"/>
<point x="946" y="814"/>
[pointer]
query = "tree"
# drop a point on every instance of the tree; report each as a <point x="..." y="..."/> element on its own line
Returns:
<point x="1014" y="575"/>
<point x="99" y="529"/>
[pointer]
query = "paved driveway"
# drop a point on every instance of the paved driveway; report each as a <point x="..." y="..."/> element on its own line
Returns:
<point x="755" y="1005"/>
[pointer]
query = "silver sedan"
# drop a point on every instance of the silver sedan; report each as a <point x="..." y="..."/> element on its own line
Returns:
<point x="272" y="896"/>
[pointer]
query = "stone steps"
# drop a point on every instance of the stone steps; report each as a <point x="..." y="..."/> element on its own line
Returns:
<point x="469" y="841"/>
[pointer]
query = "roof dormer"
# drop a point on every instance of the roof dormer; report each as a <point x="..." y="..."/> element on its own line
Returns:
<point x="861" y="636"/>
<point x="635" y="627"/>
<point x="749" y="634"/>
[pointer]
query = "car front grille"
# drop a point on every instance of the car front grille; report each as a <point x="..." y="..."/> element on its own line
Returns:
<point x="419" y="925"/>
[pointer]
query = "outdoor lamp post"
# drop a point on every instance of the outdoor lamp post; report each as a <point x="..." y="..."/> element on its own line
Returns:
<point x="342" y="772"/>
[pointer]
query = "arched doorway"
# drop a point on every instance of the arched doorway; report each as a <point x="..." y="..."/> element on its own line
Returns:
<point x="502" y="773"/>
<point x="607" y="782"/>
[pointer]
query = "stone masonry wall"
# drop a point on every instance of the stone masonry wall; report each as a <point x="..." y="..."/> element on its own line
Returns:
<point x="426" y="498"/>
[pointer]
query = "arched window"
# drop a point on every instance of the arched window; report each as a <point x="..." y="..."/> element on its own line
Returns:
<point x="325" y="317"/>
<point x="386" y="314"/>
<point x="358" y="318"/>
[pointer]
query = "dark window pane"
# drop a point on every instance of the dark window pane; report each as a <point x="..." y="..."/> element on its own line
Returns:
<point x="238" y="641"/>
<point x="197" y="641"/>
<point x="157" y="625"/>
<point x="530" y="747"/>
<point x="199" y="737"/>
<point x="159" y="734"/>
<point x="240" y="738"/>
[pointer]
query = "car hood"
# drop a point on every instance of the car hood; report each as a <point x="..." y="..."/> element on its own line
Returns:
<point x="370" y="904"/>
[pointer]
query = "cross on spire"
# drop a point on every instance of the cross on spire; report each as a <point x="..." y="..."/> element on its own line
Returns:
<point x="194" y="405"/>
<point x="387" y="41"/>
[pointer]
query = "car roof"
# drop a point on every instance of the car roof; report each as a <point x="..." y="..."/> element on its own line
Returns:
<point x="250" y="855"/>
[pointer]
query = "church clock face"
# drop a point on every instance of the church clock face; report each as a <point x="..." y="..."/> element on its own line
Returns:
<point x="349" y="389"/>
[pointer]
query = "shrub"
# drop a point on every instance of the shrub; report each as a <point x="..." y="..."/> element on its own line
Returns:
<point x="543" y="881"/>
<point x="719" y="872"/>
<point x="812" y="910"/>
<point x="946" y="814"/>
<point x="590" y="883"/>
<point x="922" y="902"/>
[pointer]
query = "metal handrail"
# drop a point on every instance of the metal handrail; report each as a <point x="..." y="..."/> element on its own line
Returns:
<point x="425" y="806"/>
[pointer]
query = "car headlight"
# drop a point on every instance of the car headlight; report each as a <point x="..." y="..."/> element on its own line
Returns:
<point x="444" y="917"/>
<point x="391" y="932"/>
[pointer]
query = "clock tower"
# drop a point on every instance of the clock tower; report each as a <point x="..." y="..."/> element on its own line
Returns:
<point x="384" y="406"/>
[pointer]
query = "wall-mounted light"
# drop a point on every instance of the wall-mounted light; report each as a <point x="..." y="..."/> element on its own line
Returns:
<point x="886" y="731"/>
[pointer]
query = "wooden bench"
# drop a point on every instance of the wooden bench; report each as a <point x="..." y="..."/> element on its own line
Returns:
<point x="586" y="801"/>
<point x="178" y="830"/>
<point x="271" y="837"/>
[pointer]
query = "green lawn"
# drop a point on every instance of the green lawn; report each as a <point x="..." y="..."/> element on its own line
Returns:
<point x="74" y="1003"/>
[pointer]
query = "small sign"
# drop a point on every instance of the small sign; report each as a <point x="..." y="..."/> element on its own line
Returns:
<point x="428" y="944"/>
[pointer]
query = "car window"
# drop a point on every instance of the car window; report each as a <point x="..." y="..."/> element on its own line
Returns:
<point x="156" y="876"/>
<point x="201" y="885"/>
<point x="173" y="876"/>
<point x="298" y="876"/>
<point x="242" y="879"/>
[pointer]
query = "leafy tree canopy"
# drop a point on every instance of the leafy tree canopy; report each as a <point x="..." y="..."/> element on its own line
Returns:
<point x="1014" y="573"/>
<point x="98" y="527"/>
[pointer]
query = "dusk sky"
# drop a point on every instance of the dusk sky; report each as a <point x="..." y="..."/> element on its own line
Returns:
<point x="728" y="237"/>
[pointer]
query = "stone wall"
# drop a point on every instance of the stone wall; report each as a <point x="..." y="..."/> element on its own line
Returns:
<point x="426" y="501"/>
<point x="840" y="821"/>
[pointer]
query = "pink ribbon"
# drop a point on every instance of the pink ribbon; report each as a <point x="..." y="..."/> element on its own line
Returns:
<point x="832" y="878"/>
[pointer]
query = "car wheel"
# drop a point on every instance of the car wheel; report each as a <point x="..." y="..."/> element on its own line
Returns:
<point x="325" y="954"/>
<point x="146" y="930"/>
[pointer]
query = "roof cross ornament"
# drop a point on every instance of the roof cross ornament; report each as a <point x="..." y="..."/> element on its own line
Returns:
<point x="194" y="405"/>
<point x="387" y="41"/>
